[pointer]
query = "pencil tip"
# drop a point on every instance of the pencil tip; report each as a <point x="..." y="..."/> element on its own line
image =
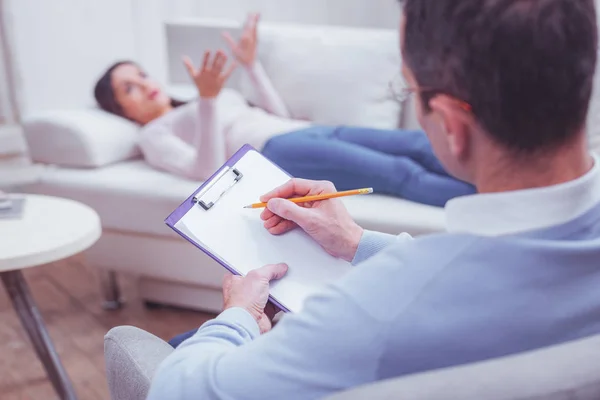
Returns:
<point x="247" y="206"/>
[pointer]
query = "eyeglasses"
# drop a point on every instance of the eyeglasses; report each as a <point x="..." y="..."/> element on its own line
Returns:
<point x="401" y="92"/>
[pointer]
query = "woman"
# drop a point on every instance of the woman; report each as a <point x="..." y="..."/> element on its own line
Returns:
<point x="194" y="139"/>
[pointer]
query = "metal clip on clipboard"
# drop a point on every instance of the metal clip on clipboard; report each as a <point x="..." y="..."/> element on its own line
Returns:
<point x="221" y="184"/>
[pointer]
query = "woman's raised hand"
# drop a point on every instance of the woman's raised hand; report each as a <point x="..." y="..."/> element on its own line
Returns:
<point x="245" y="49"/>
<point x="212" y="75"/>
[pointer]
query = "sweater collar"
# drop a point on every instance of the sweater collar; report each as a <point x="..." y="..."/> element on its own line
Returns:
<point x="505" y="213"/>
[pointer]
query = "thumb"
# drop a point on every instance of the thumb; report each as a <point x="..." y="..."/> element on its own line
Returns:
<point x="288" y="210"/>
<point x="230" y="41"/>
<point x="273" y="271"/>
<point x="189" y="65"/>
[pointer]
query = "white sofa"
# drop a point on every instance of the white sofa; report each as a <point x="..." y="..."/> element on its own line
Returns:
<point x="325" y="74"/>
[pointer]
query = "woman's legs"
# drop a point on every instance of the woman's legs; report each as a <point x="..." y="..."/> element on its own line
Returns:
<point x="386" y="161"/>
<point x="407" y="143"/>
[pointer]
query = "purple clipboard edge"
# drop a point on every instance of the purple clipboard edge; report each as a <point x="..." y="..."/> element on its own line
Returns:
<point x="187" y="205"/>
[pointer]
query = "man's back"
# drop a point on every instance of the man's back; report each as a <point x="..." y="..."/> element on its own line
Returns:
<point x="489" y="288"/>
<point x="454" y="299"/>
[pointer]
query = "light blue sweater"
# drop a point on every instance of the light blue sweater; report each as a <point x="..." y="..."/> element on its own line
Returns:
<point x="416" y="305"/>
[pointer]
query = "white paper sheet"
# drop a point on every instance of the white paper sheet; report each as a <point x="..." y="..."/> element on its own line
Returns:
<point x="236" y="235"/>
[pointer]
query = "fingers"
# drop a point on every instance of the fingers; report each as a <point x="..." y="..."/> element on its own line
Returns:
<point x="273" y="221"/>
<point x="282" y="227"/>
<point x="272" y="271"/>
<point x="255" y="20"/>
<point x="275" y="224"/>
<point x="299" y="187"/>
<point x="229" y="71"/>
<point x="266" y="214"/>
<point x="291" y="212"/>
<point x="248" y="22"/>
<point x="219" y="62"/>
<point x="226" y="284"/>
<point x="205" y="60"/>
<point x="227" y="278"/>
<point x="189" y="65"/>
<point x="230" y="41"/>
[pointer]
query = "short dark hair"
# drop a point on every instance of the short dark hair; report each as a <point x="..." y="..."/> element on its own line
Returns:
<point x="526" y="67"/>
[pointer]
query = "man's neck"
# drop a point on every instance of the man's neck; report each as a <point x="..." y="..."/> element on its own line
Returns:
<point x="563" y="165"/>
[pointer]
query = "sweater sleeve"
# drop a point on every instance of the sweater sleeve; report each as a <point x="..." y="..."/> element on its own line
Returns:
<point x="270" y="100"/>
<point x="372" y="243"/>
<point x="228" y="359"/>
<point x="165" y="150"/>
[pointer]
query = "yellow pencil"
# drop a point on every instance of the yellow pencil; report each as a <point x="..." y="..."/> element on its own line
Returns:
<point x="319" y="197"/>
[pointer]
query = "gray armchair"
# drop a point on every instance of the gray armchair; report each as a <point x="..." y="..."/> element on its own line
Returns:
<point x="568" y="371"/>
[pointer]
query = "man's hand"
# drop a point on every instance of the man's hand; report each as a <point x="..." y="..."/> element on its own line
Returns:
<point x="327" y="221"/>
<point x="245" y="49"/>
<point x="252" y="292"/>
<point x="211" y="76"/>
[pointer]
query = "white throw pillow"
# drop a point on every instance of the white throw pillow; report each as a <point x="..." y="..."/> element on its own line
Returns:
<point x="80" y="138"/>
<point x="332" y="75"/>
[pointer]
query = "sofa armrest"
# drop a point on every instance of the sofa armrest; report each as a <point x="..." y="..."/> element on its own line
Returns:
<point x="561" y="372"/>
<point x="132" y="357"/>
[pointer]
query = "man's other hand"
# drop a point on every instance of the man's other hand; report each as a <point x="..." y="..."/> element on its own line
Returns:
<point x="251" y="292"/>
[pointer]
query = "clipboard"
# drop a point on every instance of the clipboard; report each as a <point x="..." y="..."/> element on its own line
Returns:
<point x="213" y="219"/>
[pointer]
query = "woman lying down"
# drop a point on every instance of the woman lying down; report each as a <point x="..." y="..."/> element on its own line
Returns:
<point x="194" y="139"/>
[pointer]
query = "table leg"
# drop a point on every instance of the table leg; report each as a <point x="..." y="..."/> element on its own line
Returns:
<point x="24" y="305"/>
<point x="110" y="290"/>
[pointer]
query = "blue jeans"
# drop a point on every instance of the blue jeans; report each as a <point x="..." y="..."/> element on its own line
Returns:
<point x="395" y="162"/>
<point x="177" y="340"/>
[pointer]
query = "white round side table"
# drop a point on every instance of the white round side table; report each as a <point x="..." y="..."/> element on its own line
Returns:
<point x="49" y="230"/>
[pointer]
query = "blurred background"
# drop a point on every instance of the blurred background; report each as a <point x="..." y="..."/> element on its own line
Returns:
<point x="52" y="51"/>
<point x="60" y="46"/>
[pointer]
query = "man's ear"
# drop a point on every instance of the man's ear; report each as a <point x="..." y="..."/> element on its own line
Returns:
<point x="454" y="122"/>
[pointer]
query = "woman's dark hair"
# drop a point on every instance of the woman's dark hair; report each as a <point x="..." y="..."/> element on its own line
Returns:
<point x="105" y="95"/>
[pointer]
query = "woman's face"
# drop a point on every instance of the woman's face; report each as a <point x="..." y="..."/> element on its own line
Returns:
<point x="140" y="97"/>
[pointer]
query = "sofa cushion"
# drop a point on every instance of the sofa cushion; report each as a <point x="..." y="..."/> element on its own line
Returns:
<point x="327" y="74"/>
<point x="128" y="196"/>
<point x="133" y="197"/>
<point x="80" y="138"/>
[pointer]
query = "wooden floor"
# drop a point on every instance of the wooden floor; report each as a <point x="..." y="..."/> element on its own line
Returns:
<point x="68" y="298"/>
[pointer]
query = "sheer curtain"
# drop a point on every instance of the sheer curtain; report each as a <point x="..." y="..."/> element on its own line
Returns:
<point x="8" y="106"/>
<point x="15" y="166"/>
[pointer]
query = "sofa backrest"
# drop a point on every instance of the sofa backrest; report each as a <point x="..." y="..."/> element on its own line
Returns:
<point x="326" y="74"/>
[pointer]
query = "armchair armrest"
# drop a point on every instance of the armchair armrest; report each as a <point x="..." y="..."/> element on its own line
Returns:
<point x="132" y="357"/>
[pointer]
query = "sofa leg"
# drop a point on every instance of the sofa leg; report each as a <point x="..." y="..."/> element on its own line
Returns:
<point x="110" y="291"/>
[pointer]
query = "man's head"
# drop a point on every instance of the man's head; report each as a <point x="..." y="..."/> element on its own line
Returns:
<point x="509" y="79"/>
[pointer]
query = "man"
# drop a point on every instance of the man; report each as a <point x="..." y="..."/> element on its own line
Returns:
<point x="503" y="88"/>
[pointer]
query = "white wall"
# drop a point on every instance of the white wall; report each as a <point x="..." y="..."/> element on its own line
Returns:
<point x="60" y="47"/>
<point x="365" y="13"/>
